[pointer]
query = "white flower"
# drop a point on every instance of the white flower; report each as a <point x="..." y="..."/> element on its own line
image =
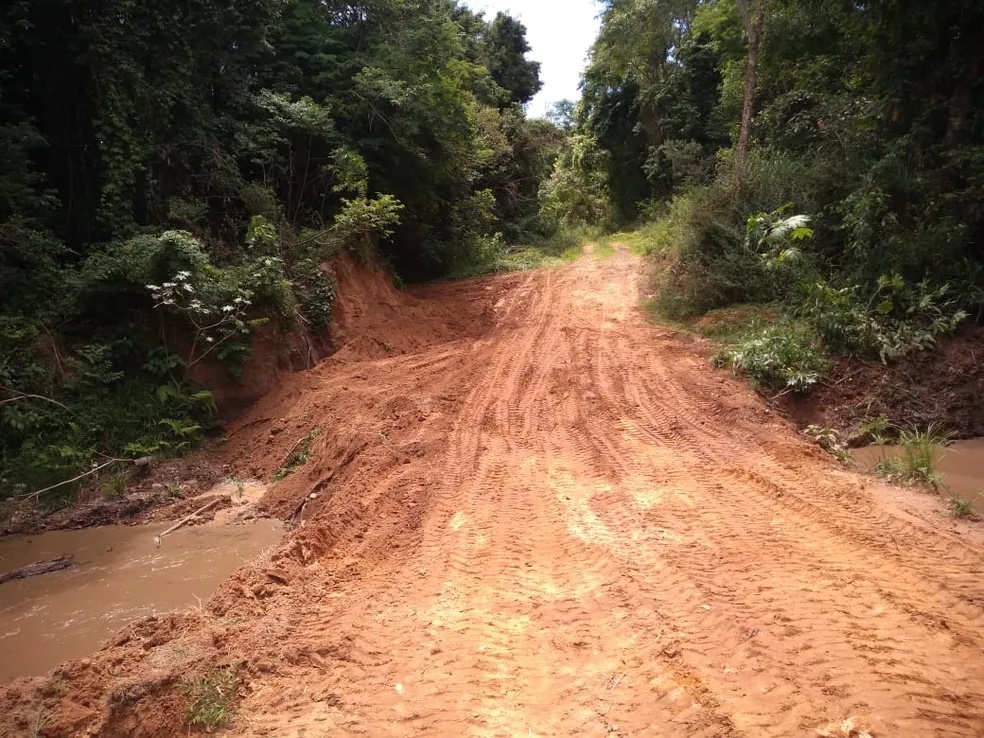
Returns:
<point x="182" y="275"/>
<point x="227" y="308"/>
<point x="209" y="339"/>
<point x="188" y="288"/>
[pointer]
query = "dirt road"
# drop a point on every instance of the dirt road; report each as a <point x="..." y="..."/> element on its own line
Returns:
<point x="568" y="524"/>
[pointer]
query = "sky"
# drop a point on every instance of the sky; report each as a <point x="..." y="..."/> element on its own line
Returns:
<point x="560" y="33"/>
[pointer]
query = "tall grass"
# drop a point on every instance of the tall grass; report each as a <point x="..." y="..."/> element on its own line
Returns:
<point x="916" y="463"/>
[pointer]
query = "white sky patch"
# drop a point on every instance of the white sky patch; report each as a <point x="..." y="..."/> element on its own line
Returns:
<point x="560" y="33"/>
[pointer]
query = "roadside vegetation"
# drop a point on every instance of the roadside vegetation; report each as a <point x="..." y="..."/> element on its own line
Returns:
<point x="916" y="462"/>
<point x="815" y="170"/>
<point x="909" y="456"/>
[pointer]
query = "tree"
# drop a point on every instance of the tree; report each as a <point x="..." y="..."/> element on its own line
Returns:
<point x="649" y="82"/>
<point x="562" y="113"/>
<point x="504" y="54"/>
<point x="753" y="18"/>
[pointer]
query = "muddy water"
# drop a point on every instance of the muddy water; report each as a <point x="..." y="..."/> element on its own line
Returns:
<point x="961" y="464"/>
<point x="120" y="575"/>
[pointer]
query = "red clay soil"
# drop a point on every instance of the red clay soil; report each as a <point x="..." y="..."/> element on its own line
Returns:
<point x="560" y="522"/>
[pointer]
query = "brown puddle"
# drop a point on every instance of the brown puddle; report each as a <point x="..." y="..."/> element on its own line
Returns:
<point x="961" y="463"/>
<point x="120" y="575"/>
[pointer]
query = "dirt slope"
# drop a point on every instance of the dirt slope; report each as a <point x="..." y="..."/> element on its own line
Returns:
<point x="564" y="523"/>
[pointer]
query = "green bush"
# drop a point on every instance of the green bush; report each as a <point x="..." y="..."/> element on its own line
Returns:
<point x="896" y="318"/>
<point x="112" y="383"/>
<point x="781" y="357"/>
<point x="102" y="414"/>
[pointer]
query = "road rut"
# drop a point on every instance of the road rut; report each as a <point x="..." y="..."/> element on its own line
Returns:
<point x="614" y="540"/>
<point x="570" y="525"/>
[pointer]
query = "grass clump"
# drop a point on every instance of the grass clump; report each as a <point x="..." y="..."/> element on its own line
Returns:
<point x="113" y="486"/>
<point x="919" y="448"/>
<point x="298" y="455"/>
<point x="782" y="357"/>
<point x="916" y="462"/>
<point x="959" y="507"/>
<point x="212" y="697"/>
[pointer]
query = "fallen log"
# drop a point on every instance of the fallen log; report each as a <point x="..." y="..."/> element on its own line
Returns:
<point x="38" y="568"/>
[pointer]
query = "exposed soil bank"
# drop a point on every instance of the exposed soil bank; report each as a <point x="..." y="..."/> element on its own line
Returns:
<point x="944" y="386"/>
<point x="371" y="319"/>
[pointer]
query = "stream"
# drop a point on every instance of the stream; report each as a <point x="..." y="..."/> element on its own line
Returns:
<point x="961" y="463"/>
<point x="120" y="575"/>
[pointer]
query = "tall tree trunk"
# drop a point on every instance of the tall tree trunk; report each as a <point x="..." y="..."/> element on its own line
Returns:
<point x="753" y="31"/>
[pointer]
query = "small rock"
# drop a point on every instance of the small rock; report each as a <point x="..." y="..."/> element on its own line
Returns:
<point x="278" y="575"/>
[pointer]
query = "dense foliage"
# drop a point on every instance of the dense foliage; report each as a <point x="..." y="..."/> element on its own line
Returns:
<point x="865" y="119"/>
<point x="173" y="176"/>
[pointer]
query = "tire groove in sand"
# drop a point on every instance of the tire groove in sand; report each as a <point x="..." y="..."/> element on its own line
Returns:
<point x="605" y="540"/>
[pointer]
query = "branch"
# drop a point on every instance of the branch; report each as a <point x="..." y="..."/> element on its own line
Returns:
<point x="199" y="511"/>
<point x="26" y="396"/>
<point x="211" y="348"/>
<point x="67" y="481"/>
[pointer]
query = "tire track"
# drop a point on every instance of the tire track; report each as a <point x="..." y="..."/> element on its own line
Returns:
<point x="606" y="539"/>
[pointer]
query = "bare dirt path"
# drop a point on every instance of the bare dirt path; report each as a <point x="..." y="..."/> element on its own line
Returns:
<point x="571" y="526"/>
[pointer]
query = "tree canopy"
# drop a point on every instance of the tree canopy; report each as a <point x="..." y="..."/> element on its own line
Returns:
<point x="825" y="158"/>
<point x="870" y="113"/>
<point x="172" y="175"/>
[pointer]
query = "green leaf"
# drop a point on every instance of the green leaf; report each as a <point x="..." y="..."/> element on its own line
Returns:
<point x="801" y="233"/>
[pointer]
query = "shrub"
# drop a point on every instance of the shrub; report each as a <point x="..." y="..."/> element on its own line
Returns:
<point x="781" y="357"/>
<point x="896" y="319"/>
<point x="362" y="221"/>
<point x="316" y="292"/>
<point x="959" y="507"/>
<point x="916" y="464"/>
